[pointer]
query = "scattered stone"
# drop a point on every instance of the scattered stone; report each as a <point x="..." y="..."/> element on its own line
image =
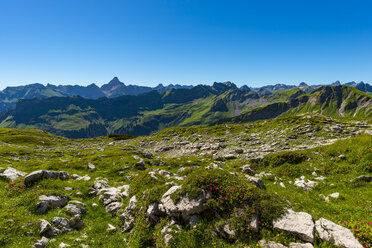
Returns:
<point x="110" y="228"/>
<point x="335" y="195"/>
<point x="299" y="223"/>
<point x="299" y="245"/>
<point x="73" y="209"/>
<point x="342" y="157"/>
<point x="83" y="178"/>
<point x="61" y="223"/>
<point x="364" y="178"/>
<point x="230" y="156"/>
<point x="246" y="169"/>
<point x="11" y="174"/>
<point x="113" y="207"/>
<point x="282" y="184"/>
<point x="63" y="245"/>
<point x="140" y="164"/>
<point x="257" y="181"/>
<point x="45" y="228"/>
<point x="270" y="244"/>
<point x="338" y="235"/>
<point x="226" y="232"/>
<point x="41" y="243"/>
<point x="91" y="166"/>
<point x="305" y="185"/>
<point x="50" y="202"/>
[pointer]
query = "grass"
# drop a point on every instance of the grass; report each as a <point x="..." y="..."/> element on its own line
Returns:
<point x="234" y="199"/>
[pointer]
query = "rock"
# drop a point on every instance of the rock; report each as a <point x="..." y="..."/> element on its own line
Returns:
<point x="73" y="209"/>
<point x="113" y="207"/>
<point x="62" y="224"/>
<point x="91" y="166"/>
<point x="364" y="178"/>
<point x="165" y="173"/>
<point x="271" y="244"/>
<point x="257" y="181"/>
<point x="338" y="235"/>
<point x="76" y="222"/>
<point x="167" y="238"/>
<point x="127" y="218"/>
<point x="153" y="211"/>
<point x="246" y="169"/>
<point x="226" y="232"/>
<point x="342" y="157"/>
<point x="94" y="204"/>
<point x="305" y="185"/>
<point x="63" y="245"/>
<point x="63" y="175"/>
<point x="140" y="164"/>
<point x="36" y="176"/>
<point x="229" y="156"/>
<point x="299" y="245"/>
<point x="113" y="194"/>
<point x="335" y="195"/>
<point x="185" y="207"/>
<point x="33" y="177"/>
<point x="45" y="228"/>
<point x="110" y="228"/>
<point x="299" y="223"/>
<point x="50" y="202"/>
<point x="254" y="223"/>
<point x="282" y="184"/>
<point x="41" y="243"/>
<point x="77" y="177"/>
<point x="11" y="174"/>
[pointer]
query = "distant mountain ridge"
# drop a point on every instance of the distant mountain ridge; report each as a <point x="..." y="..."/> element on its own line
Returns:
<point x="78" y="117"/>
<point x="10" y="95"/>
<point x="115" y="88"/>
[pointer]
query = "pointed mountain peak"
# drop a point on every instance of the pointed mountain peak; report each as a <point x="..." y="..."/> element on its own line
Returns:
<point x="115" y="81"/>
<point x="337" y="83"/>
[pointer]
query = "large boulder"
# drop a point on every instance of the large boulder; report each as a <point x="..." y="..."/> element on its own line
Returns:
<point x="11" y="174"/>
<point x="36" y="176"/>
<point x="299" y="223"/>
<point x="338" y="235"/>
<point x="50" y="202"/>
<point x="185" y="207"/>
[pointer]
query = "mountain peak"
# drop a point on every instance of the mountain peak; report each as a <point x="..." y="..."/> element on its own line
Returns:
<point x="115" y="81"/>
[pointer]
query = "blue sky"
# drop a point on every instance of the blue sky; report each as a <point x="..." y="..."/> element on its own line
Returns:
<point x="146" y="42"/>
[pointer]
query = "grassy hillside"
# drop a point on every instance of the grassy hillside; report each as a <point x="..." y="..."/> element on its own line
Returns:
<point x="195" y="157"/>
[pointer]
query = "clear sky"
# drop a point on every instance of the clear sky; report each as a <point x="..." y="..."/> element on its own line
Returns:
<point x="146" y="42"/>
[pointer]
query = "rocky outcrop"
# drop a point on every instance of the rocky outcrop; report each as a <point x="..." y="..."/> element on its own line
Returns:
<point x="299" y="223"/>
<point x="338" y="235"/>
<point x="11" y="174"/>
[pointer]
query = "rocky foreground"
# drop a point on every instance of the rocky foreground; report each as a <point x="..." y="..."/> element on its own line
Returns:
<point x="231" y="185"/>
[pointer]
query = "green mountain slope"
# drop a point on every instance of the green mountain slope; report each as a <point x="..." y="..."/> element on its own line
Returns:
<point x="77" y="117"/>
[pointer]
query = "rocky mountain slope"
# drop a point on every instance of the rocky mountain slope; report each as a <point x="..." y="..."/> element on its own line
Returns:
<point x="78" y="117"/>
<point x="295" y="181"/>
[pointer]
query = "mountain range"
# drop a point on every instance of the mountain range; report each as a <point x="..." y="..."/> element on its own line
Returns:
<point x="79" y="117"/>
<point x="10" y="95"/>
